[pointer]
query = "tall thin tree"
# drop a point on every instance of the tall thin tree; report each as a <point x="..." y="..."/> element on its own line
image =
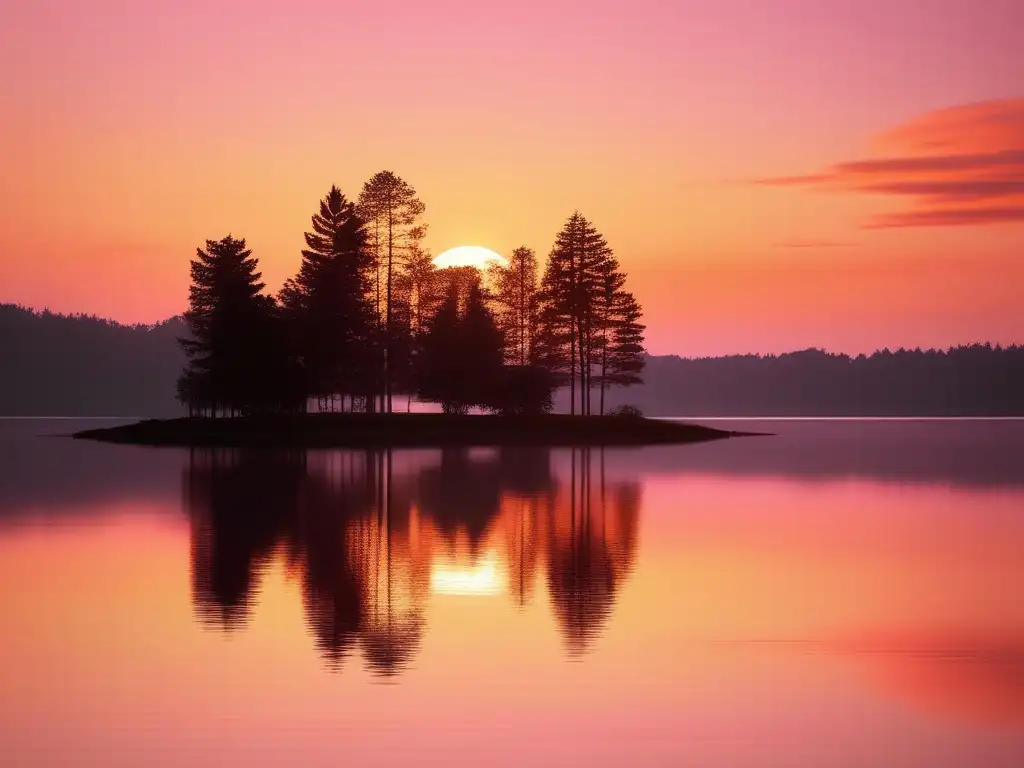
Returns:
<point x="393" y="213"/>
<point x="326" y="302"/>
<point x="516" y="293"/>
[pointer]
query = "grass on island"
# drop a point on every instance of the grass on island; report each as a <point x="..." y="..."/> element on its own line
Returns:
<point x="358" y="430"/>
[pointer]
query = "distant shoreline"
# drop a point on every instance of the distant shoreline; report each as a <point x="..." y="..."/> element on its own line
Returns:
<point x="837" y="418"/>
<point x="357" y="430"/>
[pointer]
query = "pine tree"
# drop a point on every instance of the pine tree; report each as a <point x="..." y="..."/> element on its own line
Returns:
<point x="516" y="296"/>
<point x="482" y="347"/>
<point x="231" y="324"/>
<point x="438" y="364"/>
<point x="392" y="211"/>
<point x="326" y="303"/>
<point x="461" y="362"/>
<point x="607" y="304"/>
<point x="570" y="289"/>
<point x="424" y="288"/>
<point x="419" y="290"/>
<point x="622" y="353"/>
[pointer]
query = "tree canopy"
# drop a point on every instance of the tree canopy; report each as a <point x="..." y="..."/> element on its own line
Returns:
<point x="367" y="314"/>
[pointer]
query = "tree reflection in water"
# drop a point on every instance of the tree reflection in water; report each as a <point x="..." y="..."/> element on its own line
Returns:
<point x="368" y="534"/>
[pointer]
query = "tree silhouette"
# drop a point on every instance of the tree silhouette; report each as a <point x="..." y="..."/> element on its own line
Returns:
<point x="325" y="304"/>
<point x="392" y="211"/>
<point x="516" y="297"/>
<point x="460" y="363"/>
<point x="482" y="348"/>
<point x="420" y="289"/>
<point x="581" y="293"/>
<point x="233" y="352"/>
<point x="522" y="390"/>
<point x="622" y="354"/>
<point x="439" y="363"/>
<point x="423" y="289"/>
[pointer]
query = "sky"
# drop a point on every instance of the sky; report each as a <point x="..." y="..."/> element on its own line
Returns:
<point x="772" y="174"/>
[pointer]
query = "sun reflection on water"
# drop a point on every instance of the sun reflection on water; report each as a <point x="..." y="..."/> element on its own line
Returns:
<point x="484" y="577"/>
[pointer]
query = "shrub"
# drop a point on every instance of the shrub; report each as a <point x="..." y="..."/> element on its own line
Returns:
<point x="523" y="390"/>
<point x="626" y="412"/>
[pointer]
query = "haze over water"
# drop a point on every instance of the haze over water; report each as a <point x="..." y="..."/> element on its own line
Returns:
<point x="845" y="594"/>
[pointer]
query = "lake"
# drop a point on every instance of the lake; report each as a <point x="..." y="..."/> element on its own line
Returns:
<point x="844" y="593"/>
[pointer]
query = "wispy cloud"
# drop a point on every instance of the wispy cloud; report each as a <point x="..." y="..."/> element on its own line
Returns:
<point x="811" y="244"/>
<point x="962" y="166"/>
<point x="948" y="217"/>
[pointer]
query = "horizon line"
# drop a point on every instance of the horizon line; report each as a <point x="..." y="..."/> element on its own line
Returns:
<point x="823" y="350"/>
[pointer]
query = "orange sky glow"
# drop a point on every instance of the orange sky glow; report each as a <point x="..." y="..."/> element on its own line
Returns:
<point x="772" y="176"/>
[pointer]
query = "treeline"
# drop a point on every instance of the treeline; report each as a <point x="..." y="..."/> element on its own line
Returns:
<point x="81" y="365"/>
<point x="368" y="316"/>
<point x="63" y="365"/>
<point x="975" y="380"/>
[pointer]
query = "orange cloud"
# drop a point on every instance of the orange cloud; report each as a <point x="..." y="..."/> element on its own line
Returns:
<point x="948" y="217"/>
<point x="812" y="244"/>
<point x="956" y="167"/>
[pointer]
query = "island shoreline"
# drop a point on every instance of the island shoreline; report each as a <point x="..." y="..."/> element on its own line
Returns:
<point x="401" y="430"/>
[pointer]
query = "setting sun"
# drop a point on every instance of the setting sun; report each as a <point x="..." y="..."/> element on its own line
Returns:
<point x="452" y="384"/>
<point x="467" y="256"/>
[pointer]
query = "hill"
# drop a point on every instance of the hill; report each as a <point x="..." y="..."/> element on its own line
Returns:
<point x="977" y="380"/>
<point x="78" y="365"/>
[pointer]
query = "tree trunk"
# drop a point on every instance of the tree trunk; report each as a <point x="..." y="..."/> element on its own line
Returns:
<point x="584" y="384"/>
<point x="589" y="350"/>
<point x="572" y="367"/>
<point x="604" y="362"/>
<point x="604" y="355"/>
<point x="522" y="312"/>
<point x="387" y="345"/>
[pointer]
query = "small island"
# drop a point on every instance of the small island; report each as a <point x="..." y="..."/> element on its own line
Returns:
<point x="379" y="430"/>
<point x="370" y="315"/>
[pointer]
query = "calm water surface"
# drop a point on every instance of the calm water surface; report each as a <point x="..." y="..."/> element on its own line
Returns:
<point x="841" y="594"/>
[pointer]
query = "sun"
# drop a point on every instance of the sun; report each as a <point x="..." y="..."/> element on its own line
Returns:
<point x="468" y="256"/>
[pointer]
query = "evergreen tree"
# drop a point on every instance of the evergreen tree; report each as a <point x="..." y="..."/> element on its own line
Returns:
<point x="438" y="366"/>
<point x="419" y="290"/>
<point x="482" y="347"/>
<point x="622" y="351"/>
<point x="232" y="328"/>
<point x="461" y="361"/>
<point x="424" y="288"/>
<point x="573" y="281"/>
<point x="392" y="211"/>
<point x="325" y="305"/>
<point x="516" y="297"/>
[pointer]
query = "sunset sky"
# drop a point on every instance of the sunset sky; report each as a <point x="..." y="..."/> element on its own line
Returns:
<point x="772" y="174"/>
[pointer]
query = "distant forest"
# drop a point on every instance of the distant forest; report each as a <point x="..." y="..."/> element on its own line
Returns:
<point x="975" y="380"/>
<point x="57" y="365"/>
<point x="78" y="365"/>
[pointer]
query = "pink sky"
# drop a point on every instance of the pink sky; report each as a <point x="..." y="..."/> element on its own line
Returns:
<point x="134" y="131"/>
